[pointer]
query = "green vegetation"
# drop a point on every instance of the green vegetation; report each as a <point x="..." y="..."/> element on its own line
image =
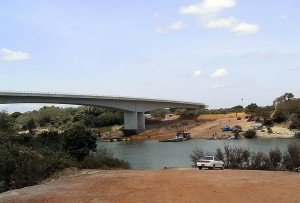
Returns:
<point x="285" y="110"/>
<point x="243" y="158"/>
<point x="250" y="134"/>
<point x="62" y="118"/>
<point x="27" y="159"/>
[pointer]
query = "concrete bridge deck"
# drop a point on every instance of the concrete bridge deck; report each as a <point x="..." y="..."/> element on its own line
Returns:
<point x="133" y="108"/>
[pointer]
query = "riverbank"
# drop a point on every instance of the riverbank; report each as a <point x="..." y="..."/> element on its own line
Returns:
<point x="206" y="129"/>
<point x="170" y="185"/>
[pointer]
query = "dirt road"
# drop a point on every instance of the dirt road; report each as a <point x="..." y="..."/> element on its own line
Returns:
<point x="170" y="185"/>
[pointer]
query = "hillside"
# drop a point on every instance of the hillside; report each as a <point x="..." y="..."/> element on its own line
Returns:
<point x="204" y="126"/>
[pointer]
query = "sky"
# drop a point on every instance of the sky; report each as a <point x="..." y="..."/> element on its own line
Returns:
<point x="221" y="53"/>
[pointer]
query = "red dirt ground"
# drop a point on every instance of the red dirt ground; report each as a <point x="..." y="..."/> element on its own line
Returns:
<point x="170" y="185"/>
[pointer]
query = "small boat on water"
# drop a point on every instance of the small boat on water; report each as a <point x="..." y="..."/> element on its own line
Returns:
<point x="180" y="136"/>
<point x="116" y="139"/>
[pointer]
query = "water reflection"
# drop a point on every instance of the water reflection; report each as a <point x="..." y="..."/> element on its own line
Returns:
<point x="153" y="155"/>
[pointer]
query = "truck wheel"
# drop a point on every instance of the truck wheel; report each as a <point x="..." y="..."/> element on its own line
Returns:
<point x="223" y="166"/>
<point x="200" y="168"/>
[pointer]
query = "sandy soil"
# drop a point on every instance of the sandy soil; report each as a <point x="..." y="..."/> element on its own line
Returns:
<point x="215" y="127"/>
<point x="204" y="130"/>
<point x="170" y="185"/>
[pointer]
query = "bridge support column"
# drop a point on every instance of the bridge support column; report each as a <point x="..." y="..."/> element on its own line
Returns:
<point x="130" y="121"/>
<point x="141" y="120"/>
<point x="134" y="121"/>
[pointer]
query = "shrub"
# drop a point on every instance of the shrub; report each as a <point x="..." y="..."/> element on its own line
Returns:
<point x="291" y="157"/>
<point x="104" y="159"/>
<point x="19" y="166"/>
<point x="297" y="135"/>
<point x="236" y="157"/>
<point x="196" y="155"/>
<point x="269" y="130"/>
<point x="78" y="142"/>
<point x="280" y="116"/>
<point x="219" y="154"/>
<point x="259" y="161"/>
<point x="275" y="158"/>
<point x="250" y="134"/>
<point x="295" y="123"/>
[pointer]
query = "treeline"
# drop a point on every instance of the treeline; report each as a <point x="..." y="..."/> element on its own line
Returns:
<point x="27" y="159"/>
<point x="243" y="158"/>
<point x="285" y="108"/>
<point x="63" y="118"/>
<point x="161" y="113"/>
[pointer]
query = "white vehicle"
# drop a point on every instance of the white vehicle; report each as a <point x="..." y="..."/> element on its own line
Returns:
<point x="210" y="162"/>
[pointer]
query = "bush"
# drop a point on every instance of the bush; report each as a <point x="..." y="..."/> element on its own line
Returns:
<point x="269" y="130"/>
<point x="196" y="155"/>
<point x="280" y="116"/>
<point x="295" y="123"/>
<point x="19" y="166"/>
<point x="78" y="142"/>
<point x="250" y="134"/>
<point x="291" y="157"/>
<point x="104" y="159"/>
<point x="297" y="135"/>
<point x="219" y="154"/>
<point x="275" y="158"/>
<point x="259" y="161"/>
<point x="236" y="157"/>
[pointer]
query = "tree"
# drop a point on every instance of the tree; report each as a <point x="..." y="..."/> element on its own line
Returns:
<point x="264" y="112"/>
<point x="78" y="141"/>
<point x="16" y="114"/>
<point x="6" y="122"/>
<point x="286" y="97"/>
<point x="236" y="131"/>
<point x="251" y="110"/>
<point x="161" y="113"/>
<point x="31" y="125"/>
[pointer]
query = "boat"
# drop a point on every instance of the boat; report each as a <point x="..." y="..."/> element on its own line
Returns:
<point x="175" y="139"/>
<point x="116" y="139"/>
<point x="180" y="136"/>
<point x="232" y="137"/>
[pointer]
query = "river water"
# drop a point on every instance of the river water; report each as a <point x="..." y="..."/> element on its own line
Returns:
<point x="152" y="155"/>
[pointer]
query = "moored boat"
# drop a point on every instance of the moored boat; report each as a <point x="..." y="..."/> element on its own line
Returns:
<point x="180" y="136"/>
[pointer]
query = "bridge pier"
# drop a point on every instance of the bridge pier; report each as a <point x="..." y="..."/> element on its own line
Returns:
<point x="140" y="120"/>
<point x="134" y="121"/>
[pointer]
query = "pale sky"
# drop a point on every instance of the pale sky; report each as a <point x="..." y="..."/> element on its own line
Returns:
<point x="209" y="51"/>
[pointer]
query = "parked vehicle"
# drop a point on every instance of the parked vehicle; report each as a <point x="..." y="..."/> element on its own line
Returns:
<point x="227" y="128"/>
<point x="210" y="162"/>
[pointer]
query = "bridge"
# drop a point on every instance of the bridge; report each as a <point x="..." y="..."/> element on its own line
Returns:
<point x="133" y="108"/>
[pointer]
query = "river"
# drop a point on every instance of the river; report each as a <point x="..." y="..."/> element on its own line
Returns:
<point x="153" y="155"/>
